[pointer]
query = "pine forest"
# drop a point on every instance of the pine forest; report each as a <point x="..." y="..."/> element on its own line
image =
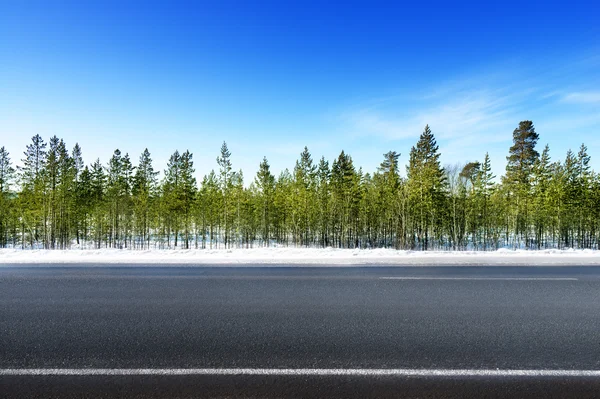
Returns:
<point x="53" y="200"/>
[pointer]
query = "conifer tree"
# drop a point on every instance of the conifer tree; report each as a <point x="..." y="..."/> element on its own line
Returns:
<point x="570" y="199"/>
<point x="324" y="200"/>
<point x="388" y="182"/>
<point x="78" y="207"/>
<point x="187" y="193"/>
<point x="31" y="200"/>
<point x="58" y="200"/>
<point x="225" y="172"/>
<point x="143" y="193"/>
<point x="304" y="185"/>
<point x="171" y="198"/>
<point x="485" y="189"/>
<point x="98" y="203"/>
<point x="426" y="186"/>
<point x="343" y="181"/>
<point x="584" y="183"/>
<point x="540" y="185"/>
<point x="522" y="157"/>
<point x="265" y="183"/>
<point x="7" y="173"/>
<point x="210" y="200"/>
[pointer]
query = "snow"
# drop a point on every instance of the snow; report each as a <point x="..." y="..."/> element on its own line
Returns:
<point x="287" y="256"/>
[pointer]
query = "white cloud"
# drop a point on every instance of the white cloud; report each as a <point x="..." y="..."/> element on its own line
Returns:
<point x="473" y="114"/>
<point x="583" y="97"/>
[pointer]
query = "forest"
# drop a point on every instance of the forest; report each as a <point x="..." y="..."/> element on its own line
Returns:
<point x="53" y="200"/>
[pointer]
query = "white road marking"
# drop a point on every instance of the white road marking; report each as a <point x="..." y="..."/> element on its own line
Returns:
<point x="485" y="278"/>
<point x="305" y="372"/>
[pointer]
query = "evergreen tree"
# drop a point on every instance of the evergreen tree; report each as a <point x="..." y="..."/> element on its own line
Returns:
<point x="388" y="182"/>
<point x="238" y="202"/>
<point x="58" y="200"/>
<point x="304" y="195"/>
<point x="343" y="181"/>
<point x="171" y="199"/>
<point x="7" y="174"/>
<point x="584" y="185"/>
<point x="98" y="203"/>
<point x="225" y="172"/>
<point x="187" y="193"/>
<point x="426" y="182"/>
<point x="210" y="199"/>
<point x="324" y="200"/>
<point x="31" y="199"/>
<point x="78" y="206"/>
<point x="265" y="183"/>
<point x="67" y="175"/>
<point x="143" y="194"/>
<point x="485" y="189"/>
<point x="521" y="159"/>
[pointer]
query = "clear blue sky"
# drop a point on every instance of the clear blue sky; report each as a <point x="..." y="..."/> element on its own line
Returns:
<point x="271" y="77"/>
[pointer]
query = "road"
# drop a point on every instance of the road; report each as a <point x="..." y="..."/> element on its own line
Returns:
<point x="158" y="332"/>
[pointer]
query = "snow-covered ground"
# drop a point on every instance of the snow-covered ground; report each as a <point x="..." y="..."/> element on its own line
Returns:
<point x="300" y="256"/>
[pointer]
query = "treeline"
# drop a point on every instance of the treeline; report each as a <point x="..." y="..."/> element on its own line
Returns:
<point x="53" y="200"/>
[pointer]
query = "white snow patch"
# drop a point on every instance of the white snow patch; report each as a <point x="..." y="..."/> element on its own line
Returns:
<point x="299" y="256"/>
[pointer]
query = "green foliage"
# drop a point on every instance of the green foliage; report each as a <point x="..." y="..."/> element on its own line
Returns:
<point x="265" y="187"/>
<point x="55" y="200"/>
<point x="7" y="216"/>
<point x="426" y="185"/>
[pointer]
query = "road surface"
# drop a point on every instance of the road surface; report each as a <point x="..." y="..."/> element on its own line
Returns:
<point x="171" y="331"/>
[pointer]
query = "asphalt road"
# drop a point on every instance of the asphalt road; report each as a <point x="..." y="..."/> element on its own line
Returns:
<point x="299" y="332"/>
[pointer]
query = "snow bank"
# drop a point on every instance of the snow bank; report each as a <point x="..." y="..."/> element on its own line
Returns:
<point x="299" y="256"/>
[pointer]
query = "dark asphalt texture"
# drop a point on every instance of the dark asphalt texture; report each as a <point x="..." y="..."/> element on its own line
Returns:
<point x="305" y="317"/>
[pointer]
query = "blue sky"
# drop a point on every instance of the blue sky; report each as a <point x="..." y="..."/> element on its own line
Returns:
<point x="272" y="77"/>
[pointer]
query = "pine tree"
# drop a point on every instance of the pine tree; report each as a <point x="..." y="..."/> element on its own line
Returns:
<point x="541" y="181"/>
<point x="584" y="183"/>
<point x="51" y="175"/>
<point x="66" y="198"/>
<point x="343" y="181"/>
<point x="570" y="199"/>
<point x="238" y="202"/>
<point x="543" y="204"/>
<point x="304" y="185"/>
<point x="7" y="174"/>
<point x="187" y="193"/>
<point x="282" y="205"/>
<point x="78" y="211"/>
<point x="210" y="198"/>
<point x="83" y="205"/>
<point x="426" y="182"/>
<point x="324" y="199"/>
<point x="485" y="188"/>
<point x="143" y="193"/>
<point x="171" y="199"/>
<point x="518" y="174"/>
<point x="99" y="203"/>
<point x="31" y="199"/>
<point x="265" y="183"/>
<point x="470" y="172"/>
<point x="388" y="182"/>
<point x="225" y="172"/>
<point x="119" y="169"/>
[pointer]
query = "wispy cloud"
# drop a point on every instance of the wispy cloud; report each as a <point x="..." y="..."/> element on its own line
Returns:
<point x="583" y="97"/>
<point x="475" y="115"/>
<point x="468" y="115"/>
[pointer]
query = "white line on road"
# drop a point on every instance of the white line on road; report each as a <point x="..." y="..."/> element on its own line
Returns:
<point x="305" y="372"/>
<point x="485" y="278"/>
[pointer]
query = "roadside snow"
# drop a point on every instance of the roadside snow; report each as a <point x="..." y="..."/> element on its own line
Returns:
<point x="299" y="256"/>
